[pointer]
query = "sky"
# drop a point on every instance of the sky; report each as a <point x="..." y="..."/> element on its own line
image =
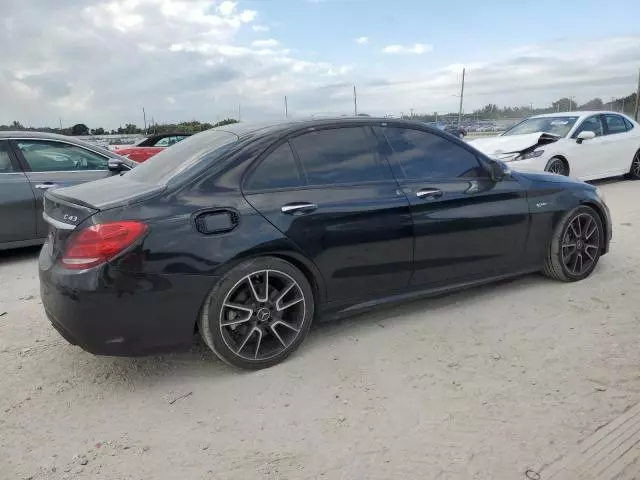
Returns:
<point x="99" y="62"/>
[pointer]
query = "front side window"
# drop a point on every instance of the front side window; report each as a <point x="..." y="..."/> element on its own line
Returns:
<point x="426" y="156"/>
<point x="52" y="156"/>
<point x="341" y="155"/>
<point x="590" y="124"/>
<point x="615" y="124"/>
<point x="5" y="159"/>
<point x="277" y="170"/>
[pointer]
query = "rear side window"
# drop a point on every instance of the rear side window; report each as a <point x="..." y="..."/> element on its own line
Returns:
<point x="424" y="155"/>
<point x="341" y="155"/>
<point x="5" y="159"/>
<point x="615" y="124"/>
<point x="628" y="124"/>
<point x="278" y="170"/>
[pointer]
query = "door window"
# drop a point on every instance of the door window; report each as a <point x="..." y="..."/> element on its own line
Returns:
<point x="424" y="155"/>
<point x="615" y="124"/>
<point x="52" y="156"/>
<point x="5" y="159"/>
<point x="591" y="124"/>
<point x="341" y="155"/>
<point x="628" y="124"/>
<point x="278" y="170"/>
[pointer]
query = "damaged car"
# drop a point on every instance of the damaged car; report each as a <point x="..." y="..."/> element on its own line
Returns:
<point x="584" y="145"/>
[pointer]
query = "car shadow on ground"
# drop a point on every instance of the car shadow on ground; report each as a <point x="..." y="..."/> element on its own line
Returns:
<point x="197" y="361"/>
<point x="19" y="254"/>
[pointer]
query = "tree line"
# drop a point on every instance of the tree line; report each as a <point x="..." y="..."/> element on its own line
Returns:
<point x="494" y="112"/>
<point x="128" y="129"/>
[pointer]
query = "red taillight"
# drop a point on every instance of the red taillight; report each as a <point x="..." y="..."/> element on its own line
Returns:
<point x="100" y="243"/>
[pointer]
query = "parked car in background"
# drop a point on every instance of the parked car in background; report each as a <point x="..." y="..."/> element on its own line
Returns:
<point x="150" y="146"/>
<point x="585" y="145"/>
<point x="246" y="233"/>
<point x="30" y="164"/>
<point x="456" y="131"/>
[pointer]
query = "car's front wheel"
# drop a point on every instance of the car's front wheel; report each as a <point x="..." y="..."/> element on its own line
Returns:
<point x="576" y="245"/>
<point x="558" y="166"/>
<point x="258" y="313"/>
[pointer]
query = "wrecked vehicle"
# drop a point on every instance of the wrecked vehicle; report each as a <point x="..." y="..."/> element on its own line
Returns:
<point x="584" y="145"/>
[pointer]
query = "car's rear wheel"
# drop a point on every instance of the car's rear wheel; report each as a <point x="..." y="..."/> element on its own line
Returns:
<point x="258" y="313"/>
<point x="576" y="245"/>
<point x="634" y="171"/>
<point x="558" y="166"/>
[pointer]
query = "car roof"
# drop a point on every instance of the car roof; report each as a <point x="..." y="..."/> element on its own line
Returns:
<point x="576" y="113"/>
<point x="283" y="126"/>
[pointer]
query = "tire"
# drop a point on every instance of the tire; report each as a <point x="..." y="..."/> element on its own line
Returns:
<point x="559" y="267"/>
<point x="253" y="328"/>
<point x="634" y="170"/>
<point x="558" y="166"/>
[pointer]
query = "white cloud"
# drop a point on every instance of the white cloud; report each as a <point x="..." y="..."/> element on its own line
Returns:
<point x="260" y="28"/>
<point x="268" y="43"/>
<point x="362" y="40"/>
<point x="98" y="61"/>
<point x="417" y="48"/>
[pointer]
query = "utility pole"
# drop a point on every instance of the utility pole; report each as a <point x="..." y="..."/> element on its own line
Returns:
<point x="635" y="113"/>
<point x="286" y="108"/>
<point x="144" y="118"/>
<point x="60" y="120"/>
<point x="355" y="101"/>
<point x="239" y="116"/>
<point x="461" y="97"/>
<point x="571" y="103"/>
<point x="411" y="110"/>
<point x="436" y="116"/>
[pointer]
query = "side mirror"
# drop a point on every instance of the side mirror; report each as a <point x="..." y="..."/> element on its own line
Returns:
<point x="116" y="165"/>
<point x="585" y="135"/>
<point x="496" y="170"/>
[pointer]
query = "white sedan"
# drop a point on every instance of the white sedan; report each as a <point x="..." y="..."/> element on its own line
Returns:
<point x="584" y="145"/>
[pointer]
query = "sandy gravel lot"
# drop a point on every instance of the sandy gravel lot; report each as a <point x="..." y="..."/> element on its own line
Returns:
<point x="483" y="384"/>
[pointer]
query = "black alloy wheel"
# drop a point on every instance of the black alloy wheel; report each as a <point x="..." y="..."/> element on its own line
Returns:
<point x="634" y="172"/>
<point x="580" y="244"/>
<point x="576" y="246"/>
<point x="557" y="166"/>
<point x="259" y="314"/>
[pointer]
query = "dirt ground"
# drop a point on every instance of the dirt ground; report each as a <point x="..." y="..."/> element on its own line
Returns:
<point x="483" y="384"/>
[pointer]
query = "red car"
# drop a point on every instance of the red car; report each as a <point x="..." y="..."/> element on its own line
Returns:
<point x="151" y="145"/>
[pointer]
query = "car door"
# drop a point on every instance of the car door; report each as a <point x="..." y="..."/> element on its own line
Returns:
<point x="17" y="202"/>
<point x="466" y="225"/>
<point x="588" y="158"/>
<point x="333" y="194"/>
<point x="52" y="163"/>
<point x="621" y="144"/>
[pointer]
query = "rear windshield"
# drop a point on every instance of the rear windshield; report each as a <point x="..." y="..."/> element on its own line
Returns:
<point x="182" y="156"/>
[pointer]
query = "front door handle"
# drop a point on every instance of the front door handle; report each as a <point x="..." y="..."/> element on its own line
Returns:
<point x="429" y="193"/>
<point x="298" y="207"/>
<point x="45" y="186"/>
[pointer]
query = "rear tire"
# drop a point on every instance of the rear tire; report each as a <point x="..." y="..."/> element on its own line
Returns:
<point x="558" y="166"/>
<point x="576" y="246"/>
<point x="634" y="171"/>
<point x="258" y="313"/>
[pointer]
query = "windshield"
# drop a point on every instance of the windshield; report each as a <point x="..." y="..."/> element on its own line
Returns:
<point x="555" y="125"/>
<point x="162" y="167"/>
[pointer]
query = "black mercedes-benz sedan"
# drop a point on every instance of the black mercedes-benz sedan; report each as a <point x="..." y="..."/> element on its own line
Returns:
<point x="245" y="234"/>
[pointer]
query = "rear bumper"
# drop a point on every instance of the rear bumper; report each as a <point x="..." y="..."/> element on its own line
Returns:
<point x="109" y="312"/>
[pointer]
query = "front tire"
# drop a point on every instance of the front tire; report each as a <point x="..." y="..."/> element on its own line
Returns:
<point x="558" y="166"/>
<point x="576" y="246"/>
<point x="258" y="313"/>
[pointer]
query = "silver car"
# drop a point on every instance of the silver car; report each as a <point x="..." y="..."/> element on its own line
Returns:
<point x="33" y="162"/>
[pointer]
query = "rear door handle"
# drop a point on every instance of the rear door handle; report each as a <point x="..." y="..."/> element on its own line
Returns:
<point x="429" y="193"/>
<point x="298" y="207"/>
<point x="45" y="186"/>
